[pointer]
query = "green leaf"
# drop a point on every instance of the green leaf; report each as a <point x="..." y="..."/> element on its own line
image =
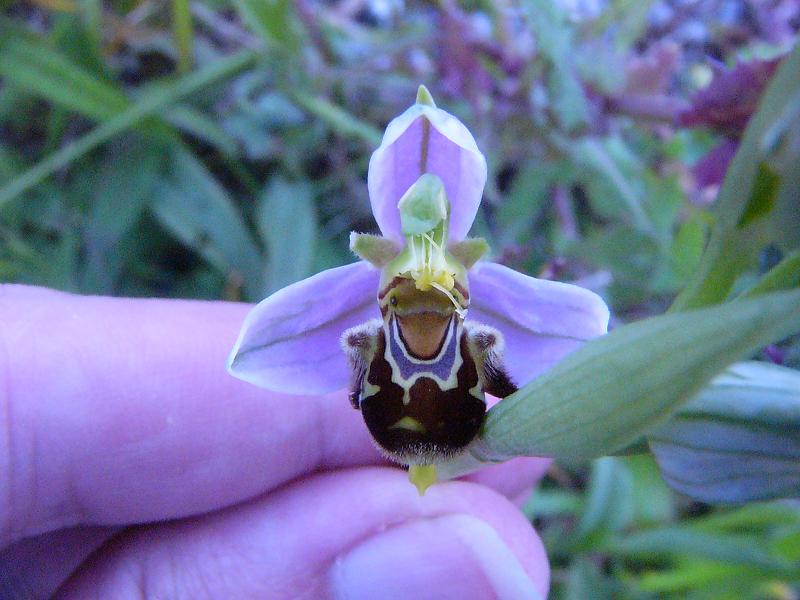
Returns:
<point x="788" y="545"/>
<point x="609" y="506"/>
<point x="549" y="23"/>
<point x="584" y="580"/>
<point x="287" y="221"/>
<point x="45" y="72"/>
<point x="696" y="575"/>
<point x="147" y="105"/>
<point x="607" y="393"/>
<point x="202" y="127"/>
<point x="56" y="78"/>
<point x="555" y="39"/>
<point x="785" y="218"/>
<point x="338" y="119"/>
<point x="732" y="247"/>
<point x="272" y="20"/>
<point x="198" y="211"/>
<point x="753" y="517"/>
<point x="652" y="498"/>
<point x="567" y="94"/>
<point x="630" y="255"/>
<point x="522" y="204"/>
<point x="552" y="503"/>
<point x="778" y="134"/>
<point x="623" y="22"/>
<point x="783" y="276"/>
<point x="762" y="197"/>
<point x="739" y="440"/>
<point x="52" y="76"/>
<point x="687" y="247"/>
<point x="663" y="202"/>
<point x="610" y="186"/>
<point x="742" y="550"/>
<point x="122" y="190"/>
<point x="62" y="263"/>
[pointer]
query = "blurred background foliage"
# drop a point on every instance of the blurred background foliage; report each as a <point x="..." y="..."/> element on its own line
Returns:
<point x="219" y="149"/>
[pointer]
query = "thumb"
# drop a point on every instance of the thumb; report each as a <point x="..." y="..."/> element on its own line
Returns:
<point x="451" y="556"/>
<point x="359" y="533"/>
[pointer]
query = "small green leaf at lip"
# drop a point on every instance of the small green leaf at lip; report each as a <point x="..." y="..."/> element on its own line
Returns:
<point x="376" y="250"/>
<point x="469" y="251"/>
<point x="609" y="392"/>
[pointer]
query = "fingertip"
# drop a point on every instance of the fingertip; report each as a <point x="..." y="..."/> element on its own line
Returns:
<point x="458" y="555"/>
<point x="486" y="524"/>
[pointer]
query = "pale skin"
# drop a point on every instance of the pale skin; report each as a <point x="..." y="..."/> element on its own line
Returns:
<point x="133" y="466"/>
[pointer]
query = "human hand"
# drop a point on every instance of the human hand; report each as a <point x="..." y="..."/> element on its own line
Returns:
<point x="133" y="466"/>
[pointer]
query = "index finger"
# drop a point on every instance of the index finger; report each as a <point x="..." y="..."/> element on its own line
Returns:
<point x="117" y="410"/>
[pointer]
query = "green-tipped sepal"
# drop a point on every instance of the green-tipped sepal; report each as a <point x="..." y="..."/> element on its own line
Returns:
<point x="376" y="250"/>
<point x="469" y="251"/>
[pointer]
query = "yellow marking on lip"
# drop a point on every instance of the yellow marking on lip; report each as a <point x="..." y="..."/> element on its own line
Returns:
<point x="409" y="423"/>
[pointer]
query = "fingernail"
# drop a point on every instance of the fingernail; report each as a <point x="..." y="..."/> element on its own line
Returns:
<point x="454" y="556"/>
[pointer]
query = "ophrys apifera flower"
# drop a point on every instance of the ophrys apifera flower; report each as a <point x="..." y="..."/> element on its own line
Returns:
<point x="445" y="329"/>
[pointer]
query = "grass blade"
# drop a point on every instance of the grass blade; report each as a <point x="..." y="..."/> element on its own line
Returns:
<point x="341" y="121"/>
<point x="184" y="38"/>
<point x="145" y="107"/>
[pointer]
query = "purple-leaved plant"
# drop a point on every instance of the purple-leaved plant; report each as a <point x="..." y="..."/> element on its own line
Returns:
<point x="446" y="328"/>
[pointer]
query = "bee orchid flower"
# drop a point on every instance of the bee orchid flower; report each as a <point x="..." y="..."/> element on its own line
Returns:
<point x="419" y="329"/>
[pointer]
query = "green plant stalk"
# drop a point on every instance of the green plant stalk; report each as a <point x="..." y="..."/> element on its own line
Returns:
<point x="91" y="15"/>
<point x="146" y="106"/>
<point x="182" y="27"/>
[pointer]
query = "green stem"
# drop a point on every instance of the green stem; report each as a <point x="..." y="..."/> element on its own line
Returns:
<point x="182" y="27"/>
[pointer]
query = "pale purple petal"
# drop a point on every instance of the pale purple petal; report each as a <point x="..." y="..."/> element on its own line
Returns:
<point x="290" y="341"/>
<point x="542" y="321"/>
<point x="452" y="154"/>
